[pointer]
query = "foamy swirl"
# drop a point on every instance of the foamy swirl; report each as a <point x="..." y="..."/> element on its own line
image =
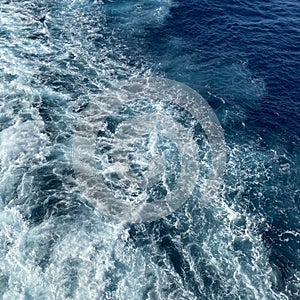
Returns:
<point x="142" y="149"/>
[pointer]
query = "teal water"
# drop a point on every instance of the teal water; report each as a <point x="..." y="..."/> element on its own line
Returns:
<point x="242" y="57"/>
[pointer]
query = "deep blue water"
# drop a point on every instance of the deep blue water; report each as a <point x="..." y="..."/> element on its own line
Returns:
<point x="56" y="57"/>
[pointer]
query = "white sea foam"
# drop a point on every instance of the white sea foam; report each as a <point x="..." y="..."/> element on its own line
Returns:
<point x="49" y="69"/>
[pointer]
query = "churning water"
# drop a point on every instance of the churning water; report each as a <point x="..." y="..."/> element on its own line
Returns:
<point x="149" y="149"/>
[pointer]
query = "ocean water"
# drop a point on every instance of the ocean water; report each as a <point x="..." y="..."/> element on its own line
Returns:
<point x="60" y="58"/>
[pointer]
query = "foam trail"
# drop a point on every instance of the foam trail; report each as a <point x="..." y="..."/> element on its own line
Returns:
<point x="55" y="57"/>
<point x="51" y="247"/>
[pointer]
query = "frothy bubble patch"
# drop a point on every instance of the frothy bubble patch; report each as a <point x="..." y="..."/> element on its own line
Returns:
<point x="137" y="158"/>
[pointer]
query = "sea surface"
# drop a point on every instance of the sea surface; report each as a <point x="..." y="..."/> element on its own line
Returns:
<point x="240" y="242"/>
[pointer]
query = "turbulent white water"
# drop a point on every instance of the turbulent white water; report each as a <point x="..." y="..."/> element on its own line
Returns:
<point x="55" y="58"/>
<point x="141" y="145"/>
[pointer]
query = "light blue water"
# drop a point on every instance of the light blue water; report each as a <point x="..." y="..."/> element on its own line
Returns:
<point x="57" y="57"/>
